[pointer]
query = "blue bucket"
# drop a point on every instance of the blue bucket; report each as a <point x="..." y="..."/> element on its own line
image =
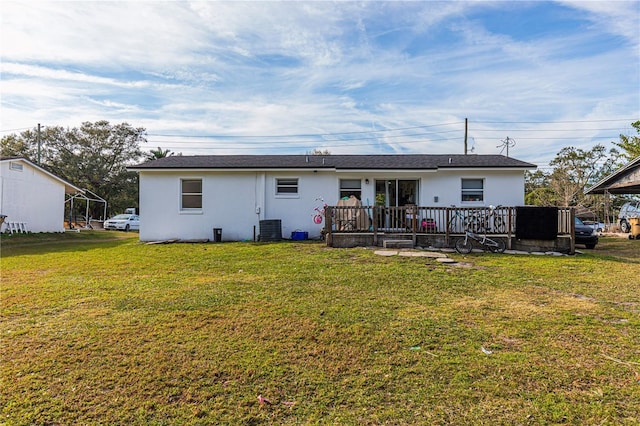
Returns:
<point x="299" y="235"/>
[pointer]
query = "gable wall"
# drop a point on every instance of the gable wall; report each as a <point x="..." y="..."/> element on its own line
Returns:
<point x="33" y="197"/>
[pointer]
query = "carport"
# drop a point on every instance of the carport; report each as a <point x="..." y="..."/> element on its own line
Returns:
<point x="88" y="197"/>
<point x="624" y="181"/>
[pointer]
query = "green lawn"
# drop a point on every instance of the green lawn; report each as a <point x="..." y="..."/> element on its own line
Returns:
<point x="98" y="328"/>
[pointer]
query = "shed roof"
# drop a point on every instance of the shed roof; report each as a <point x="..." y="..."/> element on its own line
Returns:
<point x="337" y="162"/>
<point x="625" y="180"/>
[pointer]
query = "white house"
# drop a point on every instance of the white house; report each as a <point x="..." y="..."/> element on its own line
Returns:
<point x="32" y="196"/>
<point x="186" y="197"/>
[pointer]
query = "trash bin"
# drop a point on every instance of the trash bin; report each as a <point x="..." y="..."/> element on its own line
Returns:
<point x="217" y="235"/>
<point x="634" y="226"/>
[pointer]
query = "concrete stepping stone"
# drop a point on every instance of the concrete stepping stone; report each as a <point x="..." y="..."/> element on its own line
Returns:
<point x="434" y="255"/>
<point x="386" y="252"/>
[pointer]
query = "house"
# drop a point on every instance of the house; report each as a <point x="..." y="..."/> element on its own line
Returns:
<point x="32" y="197"/>
<point x="186" y="197"/>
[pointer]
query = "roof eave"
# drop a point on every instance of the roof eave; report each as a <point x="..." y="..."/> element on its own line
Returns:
<point x="601" y="186"/>
<point x="229" y="169"/>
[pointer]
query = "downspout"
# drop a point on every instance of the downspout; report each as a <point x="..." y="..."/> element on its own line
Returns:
<point x="260" y="196"/>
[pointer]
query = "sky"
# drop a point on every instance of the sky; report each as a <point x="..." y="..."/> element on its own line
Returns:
<point x="366" y="77"/>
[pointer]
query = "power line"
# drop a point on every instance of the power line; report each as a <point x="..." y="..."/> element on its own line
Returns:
<point x="546" y="130"/>
<point x="552" y="122"/>
<point x="309" y="134"/>
<point x="339" y="140"/>
<point x="15" y="130"/>
<point x="167" y="144"/>
<point x="571" y="138"/>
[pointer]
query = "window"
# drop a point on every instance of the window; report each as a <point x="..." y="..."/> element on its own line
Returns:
<point x="191" y="194"/>
<point x="349" y="187"/>
<point x="287" y="186"/>
<point x="15" y="166"/>
<point x="472" y="190"/>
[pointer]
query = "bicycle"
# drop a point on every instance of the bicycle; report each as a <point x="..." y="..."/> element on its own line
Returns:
<point x="465" y="245"/>
<point x="466" y="222"/>
<point x="318" y="215"/>
<point x="483" y="220"/>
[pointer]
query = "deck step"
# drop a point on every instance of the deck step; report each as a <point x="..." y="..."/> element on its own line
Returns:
<point x="397" y="244"/>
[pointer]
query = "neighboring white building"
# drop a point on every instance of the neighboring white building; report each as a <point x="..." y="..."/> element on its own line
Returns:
<point x="32" y="196"/>
<point x="185" y="197"/>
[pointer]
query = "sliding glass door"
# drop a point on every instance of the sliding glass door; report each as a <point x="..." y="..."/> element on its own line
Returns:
<point x="392" y="193"/>
<point x="396" y="192"/>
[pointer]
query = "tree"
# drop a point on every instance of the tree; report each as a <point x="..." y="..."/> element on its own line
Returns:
<point x="574" y="170"/>
<point x="537" y="189"/>
<point x="630" y="144"/>
<point x="156" y="154"/>
<point x="93" y="156"/>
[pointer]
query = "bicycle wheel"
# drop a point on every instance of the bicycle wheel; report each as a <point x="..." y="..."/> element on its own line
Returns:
<point x="498" y="224"/>
<point x="463" y="245"/>
<point x="499" y="246"/>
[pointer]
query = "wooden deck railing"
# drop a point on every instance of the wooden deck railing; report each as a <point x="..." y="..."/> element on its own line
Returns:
<point x="431" y="220"/>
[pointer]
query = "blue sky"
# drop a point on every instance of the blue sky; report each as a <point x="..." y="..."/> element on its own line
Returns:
<point x="350" y="77"/>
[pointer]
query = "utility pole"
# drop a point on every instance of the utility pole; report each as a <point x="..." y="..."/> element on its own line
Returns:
<point x="39" y="143"/>
<point x="506" y="144"/>
<point x="466" y="130"/>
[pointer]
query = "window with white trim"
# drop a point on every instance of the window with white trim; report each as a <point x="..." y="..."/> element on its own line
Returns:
<point x="287" y="186"/>
<point x="191" y="194"/>
<point x="349" y="187"/>
<point x="472" y="190"/>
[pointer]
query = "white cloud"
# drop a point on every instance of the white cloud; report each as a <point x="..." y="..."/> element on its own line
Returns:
<point x="621" y="17"/>
<point x="265" y="68"/>
<point x="46" y="73"/>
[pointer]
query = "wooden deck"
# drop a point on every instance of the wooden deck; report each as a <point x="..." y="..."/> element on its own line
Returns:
<point x="424" y="223"/>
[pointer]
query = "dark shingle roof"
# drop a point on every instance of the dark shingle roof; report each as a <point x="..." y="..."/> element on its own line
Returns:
<point x="349" y="162"/>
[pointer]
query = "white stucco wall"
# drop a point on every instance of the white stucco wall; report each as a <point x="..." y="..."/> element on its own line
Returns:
<point x="237" y="201"/>
<point x="500" y="188"/>
<point x="227" y="202"/>
<point x="32" y="197"/>
<point x="297" y="212"/>
<point x="234" y="202"/>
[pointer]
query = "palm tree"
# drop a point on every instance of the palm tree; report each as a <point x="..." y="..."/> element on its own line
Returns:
<point x="156" y="154"/>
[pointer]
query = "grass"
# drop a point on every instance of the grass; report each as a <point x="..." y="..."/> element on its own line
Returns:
<point x="98" y="328"/>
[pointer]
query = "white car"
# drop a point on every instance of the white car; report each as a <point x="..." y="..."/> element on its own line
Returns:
<point x="123" y="222"/>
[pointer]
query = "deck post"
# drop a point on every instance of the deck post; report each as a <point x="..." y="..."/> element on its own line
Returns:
<point x="446" y="225"/>
<point x="572" y="230"/>
<point x="509" y="211"/>
<point x="375" y="225"/>
<point x="328" y="214"/>
<point x="414" y="223"/>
